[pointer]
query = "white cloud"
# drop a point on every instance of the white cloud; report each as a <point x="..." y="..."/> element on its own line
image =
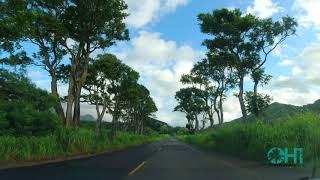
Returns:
<point x="143" y="12"/>
<point x="307" y="12"/>
<point x="264" y="8"/>
<point x="303" y="84"/>
<point x="160" y="64"/>
<point x="231" y="108"/>
<point x="286" y="62"/>
<point x="35" y="74"/>
<point x="311" y="64"/>
<point x="43" y="83"/>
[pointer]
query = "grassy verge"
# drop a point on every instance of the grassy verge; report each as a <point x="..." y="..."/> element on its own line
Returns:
<point x="254" y="140"/>
<point x="66" y="142"/>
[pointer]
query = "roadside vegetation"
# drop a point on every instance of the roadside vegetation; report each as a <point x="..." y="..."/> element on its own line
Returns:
<point x="63" y="36"/>
<point x="30" y="129"/>
<point x="68" y="142"/>
<point x="254" y="140"/>
<point x="238" y="46"/>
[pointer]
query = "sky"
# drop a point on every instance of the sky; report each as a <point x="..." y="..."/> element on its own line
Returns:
<point x="165" y="42"/>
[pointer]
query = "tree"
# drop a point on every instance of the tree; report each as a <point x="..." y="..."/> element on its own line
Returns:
<point x="255" y="104"/>
<point x="78" y="27"/>
<point x="138" y="107"/>
<point x="164" y="129"/>
<point x="38" y="24"/>
<point x="258" y="76"/>
<point x="91" y="25"/>
<point x="240" y="39"/>
<point x="190" y="102"/>
<point x="230" y="29"/>
<point x="18" y="60"/>
<point x="200" y="82"/>
<point x="24" y="109"/>
<point x="108" y="80"/>
<point x="267" y="36"/>
<point x="213" y="78"/>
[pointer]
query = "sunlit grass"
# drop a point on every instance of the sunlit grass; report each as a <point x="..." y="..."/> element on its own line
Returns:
<point x="66" y="142"/>
<point x="253" y="140"/>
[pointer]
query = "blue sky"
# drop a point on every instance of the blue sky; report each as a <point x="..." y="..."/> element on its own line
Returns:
<point x="166" y="42"/>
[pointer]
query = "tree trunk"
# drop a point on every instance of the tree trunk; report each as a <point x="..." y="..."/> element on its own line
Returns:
<point x="98" y="124"/>
<point x="99" y="117"/>
<point x="255" y="97"/>
<point x="211" y="120"/>
<point x="76" y="110"/>
<point x="197" y="123"/>
<point x="209" y="113"/>
<point x="240" y="97"/>
<point x="216" y="109"/>
<point x="115" y="117"/>
<point x="221" y="108"/>
<point x="114" y="126"/>
<point x="80" y="81"/>
<point x="54" y="91"/>
<point x="69" y="119"/>
<point x="141" y="128"/>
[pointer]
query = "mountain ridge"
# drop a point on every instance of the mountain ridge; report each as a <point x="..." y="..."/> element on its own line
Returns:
<point x="277" y="111"/>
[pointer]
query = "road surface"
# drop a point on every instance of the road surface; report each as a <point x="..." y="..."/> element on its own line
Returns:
<point x="167" y="160"/>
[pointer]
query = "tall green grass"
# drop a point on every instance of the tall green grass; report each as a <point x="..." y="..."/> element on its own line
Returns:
<point x="254" y="140"/>
<point x="66" y="142"/>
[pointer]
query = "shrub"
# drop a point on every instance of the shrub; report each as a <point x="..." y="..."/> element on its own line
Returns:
<point x="24" y="109"/>
<point x="253" y="140"/>
<point x="65" y="142"/>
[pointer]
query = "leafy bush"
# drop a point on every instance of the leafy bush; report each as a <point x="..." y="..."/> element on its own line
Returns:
<point x="24" y="109"/>
<point x="164" y="129"/>
<point x="254" y="140"/>
<point x="150" y="132"/>
<point x="65" y="142"/>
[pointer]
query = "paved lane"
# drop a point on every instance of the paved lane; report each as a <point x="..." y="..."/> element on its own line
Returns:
<point x="112" y="166"/>
<point x="167" y="160"/>
<point x="177" y="160"/>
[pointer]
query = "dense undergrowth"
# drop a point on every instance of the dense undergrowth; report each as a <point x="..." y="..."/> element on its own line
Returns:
<point x="67" y="142"/>
<point x="254" y="140"/>
<point x="30" y="129"/>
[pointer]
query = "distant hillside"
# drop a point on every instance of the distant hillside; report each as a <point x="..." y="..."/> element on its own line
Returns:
<point x="89" y="122"/>
<point x="155" y="124"/>
<point x="87" y="117"/>
<point x="278" y="111"/>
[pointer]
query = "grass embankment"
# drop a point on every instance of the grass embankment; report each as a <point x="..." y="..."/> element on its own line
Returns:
<point x="254" y="140"/>
<point x="67" y="142"/>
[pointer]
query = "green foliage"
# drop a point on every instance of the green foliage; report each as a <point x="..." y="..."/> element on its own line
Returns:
<point x="255" y="104"/>
<point x="25" y="109"/>
<point x="155" y="124"/>
<point x="150" y="132"/>
<point x="164" y="129"/>
<point x="20" y="60"/>
<point x="65" y="142"/>
<point x="241" y="44"/>
<point x="191" y="102"/>
<point x="253" y="140"/>
<point x="182" y="131"/>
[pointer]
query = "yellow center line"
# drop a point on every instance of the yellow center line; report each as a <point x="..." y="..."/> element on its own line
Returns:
<point x="137" y="168"/>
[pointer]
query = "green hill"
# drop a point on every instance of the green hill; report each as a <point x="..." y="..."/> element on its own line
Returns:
<point x="152" y="123"/>
<point x="87" y="117"/>
<point x="278" y="111"/>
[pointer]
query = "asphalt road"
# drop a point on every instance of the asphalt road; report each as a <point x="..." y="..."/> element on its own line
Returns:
<point x="164" y="161"/>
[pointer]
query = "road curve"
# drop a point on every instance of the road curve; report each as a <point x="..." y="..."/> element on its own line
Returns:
<point x="167" y="160"/>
